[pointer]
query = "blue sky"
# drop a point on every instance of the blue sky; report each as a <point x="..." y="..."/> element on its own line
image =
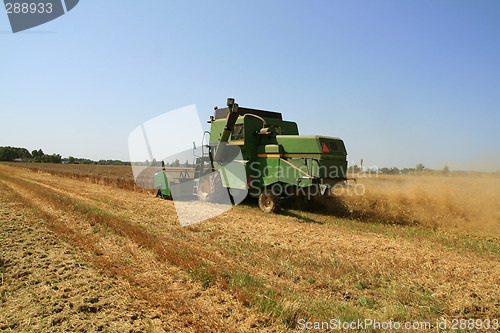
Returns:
<point x="402" y="82"/>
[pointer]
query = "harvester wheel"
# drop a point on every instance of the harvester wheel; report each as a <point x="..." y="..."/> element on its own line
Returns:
<point x="210" y="188"/>
<point x="269" y="203"/>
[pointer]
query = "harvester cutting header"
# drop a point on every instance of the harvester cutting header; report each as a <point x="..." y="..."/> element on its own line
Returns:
<point x="278" y="162"/>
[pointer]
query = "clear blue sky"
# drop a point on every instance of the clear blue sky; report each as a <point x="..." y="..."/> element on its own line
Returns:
<point x="402" y="82"/>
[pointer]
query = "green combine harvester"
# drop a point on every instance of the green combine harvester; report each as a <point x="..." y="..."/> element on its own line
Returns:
<point x="278" y="161"/>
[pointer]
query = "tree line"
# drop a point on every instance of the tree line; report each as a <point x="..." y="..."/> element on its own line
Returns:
<point x="418" y="169"/>
<point x="9" y="154"/>
<point x="13" y="154"/>
<point x="176" y="163"/>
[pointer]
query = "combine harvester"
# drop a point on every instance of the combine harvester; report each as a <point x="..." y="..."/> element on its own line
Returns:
<point x="278" y="161"/>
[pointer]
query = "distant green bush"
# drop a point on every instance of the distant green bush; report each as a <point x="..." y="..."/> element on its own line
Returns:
<point x="11" y="153"/>
<point x="54" y="158"/>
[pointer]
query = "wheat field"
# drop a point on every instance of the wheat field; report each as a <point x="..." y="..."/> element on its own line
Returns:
<point x="83" y="254"/>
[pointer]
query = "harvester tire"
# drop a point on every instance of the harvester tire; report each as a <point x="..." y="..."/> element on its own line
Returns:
<point x="210" y="188"/>
<point x="269" y="203"/>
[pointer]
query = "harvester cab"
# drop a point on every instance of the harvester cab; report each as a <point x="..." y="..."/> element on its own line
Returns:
<point x="278" y="161"/>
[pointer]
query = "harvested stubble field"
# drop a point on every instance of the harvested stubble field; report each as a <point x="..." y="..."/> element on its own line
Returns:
<point x="120" y="176"/>
<point x="89" y="255"/>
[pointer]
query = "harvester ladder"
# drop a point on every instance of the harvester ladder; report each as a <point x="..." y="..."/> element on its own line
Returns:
<point x="197" y="174"/>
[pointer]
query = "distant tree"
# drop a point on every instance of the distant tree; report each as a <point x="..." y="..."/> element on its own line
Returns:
<point x="384" y="170"/>
<point x="12" y="153"/>
<point x="176" y="163"/>
<point x="354" y="169"/>
<point x="71" y="160"/>
<point x="408" y="171"/>
<point x="23" y="153"/>
<point x="84" y="161"/>
<point x="37" y="153"/>
<point x="54" y="158"/>
<point x="420" y="167"/>
<point x="115" y="162"/>
<point x="7" y="154"/>
<point x="446" y="170"/>
<point x="157" y="163"/>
